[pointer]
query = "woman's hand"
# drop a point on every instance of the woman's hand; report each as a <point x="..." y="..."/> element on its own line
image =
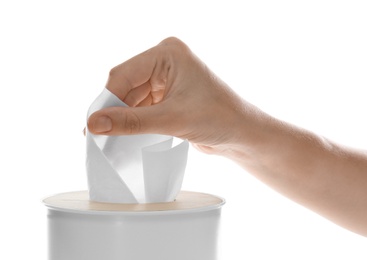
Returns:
<point x="170" y="91"/>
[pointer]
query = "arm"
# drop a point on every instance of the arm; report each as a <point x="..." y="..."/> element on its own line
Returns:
<point x="328" y="178"/>
<point x="170" y="91"/>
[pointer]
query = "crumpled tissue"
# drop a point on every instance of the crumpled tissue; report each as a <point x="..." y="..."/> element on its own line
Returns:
<point x="133" y="168"/>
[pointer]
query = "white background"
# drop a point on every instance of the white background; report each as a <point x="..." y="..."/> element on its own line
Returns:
<point x="302" y="61"/>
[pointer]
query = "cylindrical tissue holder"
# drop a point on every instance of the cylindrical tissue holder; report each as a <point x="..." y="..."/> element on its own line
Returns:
<point x="186" y="229"/>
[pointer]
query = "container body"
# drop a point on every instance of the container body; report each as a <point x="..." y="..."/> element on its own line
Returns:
<point x="160" y="235"/>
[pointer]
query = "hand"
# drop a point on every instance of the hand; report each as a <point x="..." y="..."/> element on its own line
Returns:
<point x="170" y="91"/>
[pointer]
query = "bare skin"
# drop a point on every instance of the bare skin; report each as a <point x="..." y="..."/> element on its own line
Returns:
<point x="170" y="91"/>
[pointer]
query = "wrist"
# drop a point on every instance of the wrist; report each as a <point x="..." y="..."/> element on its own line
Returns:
<point x="255" y="135"/>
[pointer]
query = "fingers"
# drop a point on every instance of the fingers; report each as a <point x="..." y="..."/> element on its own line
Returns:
<point x="146" y="102"/>
<point x="154" y="67"/>
<point x="131" y="74"/>
<point x="137" y="95"/>
<point x="148" y="83"/>
<point x="129" y="121"/>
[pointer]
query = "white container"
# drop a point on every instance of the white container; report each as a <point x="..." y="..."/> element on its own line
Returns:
<point x="186" y="229"/>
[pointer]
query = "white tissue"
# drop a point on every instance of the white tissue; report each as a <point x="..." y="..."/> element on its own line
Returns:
<point x="135" y="168"/>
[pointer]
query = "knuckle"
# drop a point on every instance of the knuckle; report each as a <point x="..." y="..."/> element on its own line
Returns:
<point x="171" y="40"/>
<point x="132" y="124"/>
<point x="174" y="44"/>
<point x="113" y="72"/>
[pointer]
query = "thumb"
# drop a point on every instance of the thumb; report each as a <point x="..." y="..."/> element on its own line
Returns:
<point x="129" y="121"/>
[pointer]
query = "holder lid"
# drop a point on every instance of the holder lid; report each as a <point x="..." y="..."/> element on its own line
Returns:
<point x="186" y="201"/>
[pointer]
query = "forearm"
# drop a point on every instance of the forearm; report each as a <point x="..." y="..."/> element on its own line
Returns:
<point x="325" y="177"/>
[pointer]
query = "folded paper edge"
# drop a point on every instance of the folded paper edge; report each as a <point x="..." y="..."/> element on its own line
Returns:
<point x="110" y="181"/>
<point x="164" y="171"/>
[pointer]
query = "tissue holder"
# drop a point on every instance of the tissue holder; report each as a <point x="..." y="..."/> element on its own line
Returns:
<point x="187" y="228"/>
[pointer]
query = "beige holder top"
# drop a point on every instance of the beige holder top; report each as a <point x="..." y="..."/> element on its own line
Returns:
<point x="185" y="201"/>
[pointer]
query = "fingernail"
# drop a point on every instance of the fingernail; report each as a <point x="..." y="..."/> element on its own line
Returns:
<point x="102" y="124"/>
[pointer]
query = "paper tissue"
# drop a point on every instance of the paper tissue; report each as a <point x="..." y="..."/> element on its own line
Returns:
<point x="135" y="168"/>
